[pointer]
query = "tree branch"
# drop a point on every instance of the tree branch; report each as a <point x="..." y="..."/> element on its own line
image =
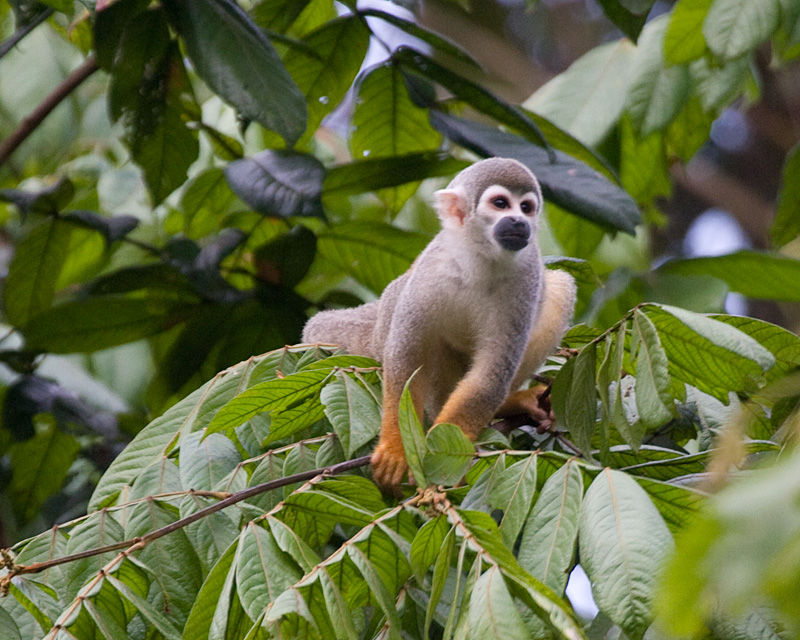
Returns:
<point x="142" y="541"/>
<point x="20" y="33"/>
<point x="29" y="124"/>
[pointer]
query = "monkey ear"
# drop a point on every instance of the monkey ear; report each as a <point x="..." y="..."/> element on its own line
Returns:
<point x="452" y="206"/>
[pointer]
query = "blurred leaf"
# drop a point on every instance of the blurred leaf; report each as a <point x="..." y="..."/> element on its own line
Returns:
<point x="279" y="183"/>
<point x="751" y="273"/>
<point x="448" y="454"/>
<point x="324" y="79"/>
<point x="34" y="270"/>
<point x="786" y="225"/>
<point x="234" y="57"/>
<point x="684" y="41"/>
<point x="110" y="25"/>
<point x="98" y="323"/>
<point x="629" y="22"/>
<point x="588" y="98"/>
<point x="581" y="270"/>
<point x="471" y="93"/>
<point x="46" y="201"/>
<point x="278" y="15"/>
<point x="734" y="27"/>
<point x="111" y="228"/>
<point x="40" y="467"/>
<point x="286" y="259"/>
<point x="623" y="541"/>
<point x="586" y="192"/>
<point x="206" y="198"/>
<point x="657" y="92"/>
<point x="362" y="176"/>
<point x="373" y="253"/>
<point x="578" y="237"/>
<point x="643" y="166"/>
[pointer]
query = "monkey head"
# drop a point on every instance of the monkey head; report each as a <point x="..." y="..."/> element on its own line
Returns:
<point x="496" y="202"/>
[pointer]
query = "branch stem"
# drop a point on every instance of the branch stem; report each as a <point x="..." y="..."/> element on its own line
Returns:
<point x="20" y="33"/>
<point x="29" y="124"/>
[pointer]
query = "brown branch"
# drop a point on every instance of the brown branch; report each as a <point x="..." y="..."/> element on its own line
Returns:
<point x="29" y="124"/>
<point x="142" y="541"/>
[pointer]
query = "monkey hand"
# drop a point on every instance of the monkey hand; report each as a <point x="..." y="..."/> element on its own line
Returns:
<point x="389" y="465"/>
<point x="529" y="401"/>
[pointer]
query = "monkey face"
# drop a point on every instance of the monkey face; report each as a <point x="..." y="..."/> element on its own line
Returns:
<point x="510" y="216"/>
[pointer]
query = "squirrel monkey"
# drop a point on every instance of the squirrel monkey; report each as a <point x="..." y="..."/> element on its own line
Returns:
<point x="477" y="313"/>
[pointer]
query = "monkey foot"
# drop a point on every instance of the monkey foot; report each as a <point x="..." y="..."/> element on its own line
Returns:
<point x="388" y="467"/>
<point x="529" y="401"/>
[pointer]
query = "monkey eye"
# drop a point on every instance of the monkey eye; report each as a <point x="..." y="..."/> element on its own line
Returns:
<point x="500" y="202"/>
<point x="526" y="207"/>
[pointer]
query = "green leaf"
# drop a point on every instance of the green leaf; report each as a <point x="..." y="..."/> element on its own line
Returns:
<point x="588" y="98"/>
<point x="40" y="466"/>
<point x="427" y="545"/>
<point x="263" y="570"/>
<point x="273" y="395"/>
<point x="97" y="530"/>
<point x="623" y="542"/>
<point x="373" y="253"/>
<point x="98" y="323"/>
<point x="628" y="22"/>
<point x="386" y="122"/>
<point x="47" y="201"/>
<point x="372" y="174"/>
<point x="234" y="57"/>
<point x="684" y="41"/>
<point x="211" y="595"/>
<point x="751" y="273"/>
<point x="567" y="182"/>
<point x="441" y="570"/>
<point x="513" y="492"/>
<point x="324" y="79"/>
<point x="575" y="397"/>
<point x="786" y="225"/>
<point x="353" y="412"/>
<point x="160" y="142"/>
<point x="212" y="535"/>
<point x="161" y="622"/>
<point x="652" y="376"/>
<point x="492" y="612"/>
<point x="279" y="183"/>
<point x="204" y="461"/>
<point x="734" y="27"/>
<point x="205" y="199"/>
<point x="547" y="548"/>
<point x="657" y="93"/>
<point x="32" y="275"/>
<point x="412" y="435"/>
<point x="289" y="421"/>
<point x="9" y="626"/>
<point x="677" y="505"/>
<point x="708" y="354"/>
<point x="448" y="454"/>
<point x="578" y="237"/>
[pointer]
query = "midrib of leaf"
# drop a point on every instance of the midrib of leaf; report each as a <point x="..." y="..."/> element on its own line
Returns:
<point x="618" y="527"/>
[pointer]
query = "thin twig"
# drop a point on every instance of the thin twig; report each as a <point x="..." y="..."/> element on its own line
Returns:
<point x="142" y="541"/>
<point x="29" y="124"/>
<point x="20" y="33"/>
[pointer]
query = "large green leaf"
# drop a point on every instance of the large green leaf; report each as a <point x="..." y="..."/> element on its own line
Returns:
<point x="98" y="323"/>
<point x="623" y="542"/>
<point x="40" y="466"/>
<point x="279" y="183"/>
<point x="211" y="595"/>
<point x="652" y="375"/>
<point x="204" y="462"/>
<point x="492" y="611"/>
<point x="373" y="253"/>
<point x="30" y="284"/>
<point x="786" y="225"/>
<point x="734" y="27"/>
<point x="513" y="492"/>
<point x="710" y="355"/>
<point x="412" y="436"/>
<point x="684" y="41"/>
<point x="588" y="98"/>
<point x="238" y="62"/>
<point x="569" y="183"/>
<point x="752" y="273"/>
<point x="324" y="78"/>
<point x="575" y="397"/>
<point x="547" y="548"/>
<point x="352" y="410"/>
<point x="657" y="92"/>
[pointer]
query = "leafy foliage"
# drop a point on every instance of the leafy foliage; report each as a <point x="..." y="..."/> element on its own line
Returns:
<point x="226" y="203"/>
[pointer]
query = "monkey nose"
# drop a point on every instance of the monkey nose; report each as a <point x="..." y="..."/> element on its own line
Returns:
<point x="512" y="233"/>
